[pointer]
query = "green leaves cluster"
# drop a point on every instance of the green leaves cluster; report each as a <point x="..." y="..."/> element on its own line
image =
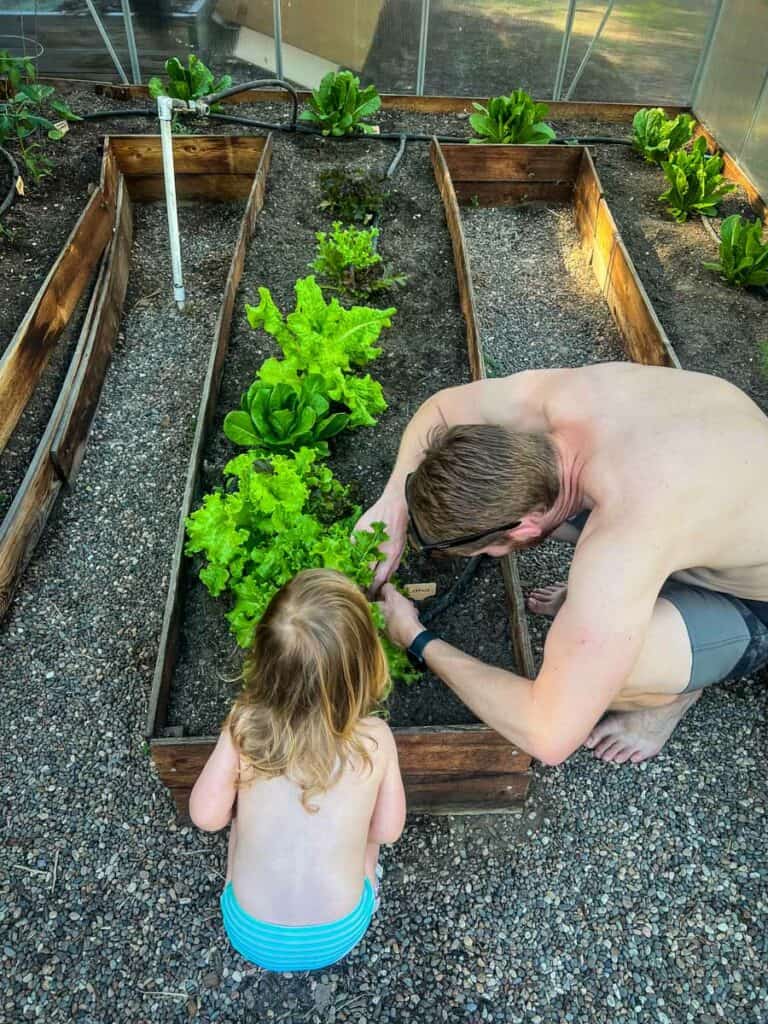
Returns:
<point x="743" y="253"/>
<point x="282" y="417"/>
<point x="192" y="82"/>
<point x="326" y="340"/>
<point x="657" y="136"/>
<point x="354" y="197"/>
<point x="347" y="260"/>
<point x="27" y="111"/>
<point x="696" y="184"/>
<point x="339" y="105"/>
<point x="512" y="119"/>
<point x="286" y="513"/>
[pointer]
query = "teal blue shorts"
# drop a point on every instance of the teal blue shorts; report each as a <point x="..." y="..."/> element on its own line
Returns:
<point x="280" y="947"/>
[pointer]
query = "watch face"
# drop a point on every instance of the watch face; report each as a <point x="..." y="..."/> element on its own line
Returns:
<point x="415" y="659"/>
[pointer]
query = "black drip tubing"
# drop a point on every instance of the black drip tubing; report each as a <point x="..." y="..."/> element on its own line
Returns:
<point x="7" y="203"/>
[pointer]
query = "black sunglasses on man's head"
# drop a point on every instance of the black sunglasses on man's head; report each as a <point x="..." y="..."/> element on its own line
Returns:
<point x="453" y="542"/>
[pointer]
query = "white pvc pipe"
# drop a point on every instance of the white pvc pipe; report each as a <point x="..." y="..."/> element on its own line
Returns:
<point x="165" y="114"/>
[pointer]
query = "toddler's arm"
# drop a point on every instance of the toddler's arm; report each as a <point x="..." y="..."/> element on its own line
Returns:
<point x="388" y="817"/>
<point x="214" y="793"/>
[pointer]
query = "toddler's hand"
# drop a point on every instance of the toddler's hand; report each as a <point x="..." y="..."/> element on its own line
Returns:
<point x="400" y="615"/>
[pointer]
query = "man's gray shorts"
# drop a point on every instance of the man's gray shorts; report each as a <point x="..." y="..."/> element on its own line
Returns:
<point x="729" y="635"/>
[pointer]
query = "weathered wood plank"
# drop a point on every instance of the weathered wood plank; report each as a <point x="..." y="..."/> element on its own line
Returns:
<point x="518" y="617"/>
<point x="26" y="518"/>
<point x="81" y="402"/>
<point x="587" y="193"/>
<point x="217" y="188"/>
<point x="29" y="351"/>
<point x="512" y="163"/>
<point x="167" y="651"/>
<point x="141" y="155"/>
<point x="511" y="193"/>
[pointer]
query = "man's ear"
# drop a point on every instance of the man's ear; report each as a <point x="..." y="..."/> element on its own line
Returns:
<point x="530" y="529"/>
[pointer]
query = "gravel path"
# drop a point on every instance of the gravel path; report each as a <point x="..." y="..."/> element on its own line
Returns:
<point x="629" y="894"/>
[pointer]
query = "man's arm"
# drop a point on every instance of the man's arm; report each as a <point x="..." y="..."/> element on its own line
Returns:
<point x="590" y="651"/>
<point x="507" y="400"/>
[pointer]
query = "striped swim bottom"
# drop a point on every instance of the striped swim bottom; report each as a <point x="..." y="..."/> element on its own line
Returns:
<point x="280" y="947"/>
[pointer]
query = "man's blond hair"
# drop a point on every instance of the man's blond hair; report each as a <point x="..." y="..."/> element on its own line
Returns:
<point x="477" y="477"/>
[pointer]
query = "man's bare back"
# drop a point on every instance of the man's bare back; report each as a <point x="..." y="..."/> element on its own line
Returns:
<point x="668" y="589"/>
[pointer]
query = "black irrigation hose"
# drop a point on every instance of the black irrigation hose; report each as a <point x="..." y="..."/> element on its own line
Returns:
<point x="457" y="590"/>
<point x="7" y="203"/>
<point x="258" y="83"/>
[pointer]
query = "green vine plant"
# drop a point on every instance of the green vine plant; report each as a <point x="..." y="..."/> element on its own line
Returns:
<point x="348" y="262"/>
<point x="657" y="136"/>
<point x="696" y="182"/>
<point x="353" y="197"/>
<point x="743" y="253"/>
<point x="28" y="110"/>
<point x="339" y="105"/>
<point x="513" y="119"/>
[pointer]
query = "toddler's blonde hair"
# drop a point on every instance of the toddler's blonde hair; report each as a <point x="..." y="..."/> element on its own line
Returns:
<point x="315" y="669"/>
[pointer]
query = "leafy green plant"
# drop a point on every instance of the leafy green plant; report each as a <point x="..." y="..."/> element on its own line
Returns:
<point x="657" y="136"/>
<point x="256" y="537"/>
<point x="353" y="197"/>
<point x="324" y="339"/>
<point x="743" y="253"/>
<point x="696" y="184"/>
<point x="24" y="115"/>
<point x="339" y="105"/>
<point x="512" y="119"/>
<point x="188" y="83"/>
<point x="281" y="417"/>
<point x="348" y="261"/>
<point x="15" y="71"/>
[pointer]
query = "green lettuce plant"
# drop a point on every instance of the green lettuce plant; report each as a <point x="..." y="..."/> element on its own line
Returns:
<point x="347" y="259"/>
<point x="188" y="83"/>
<point x="657" y="136"/>
<point x="696" y="184"/>
<point x="743" y="253"/>
<point x="274" y="523"/>
<point x="339" y="105"/>
<point x="352" y="196"/>
<point x="324" y="339"/>
<point x="281" y="417"/>
<point x="512" y="119"/>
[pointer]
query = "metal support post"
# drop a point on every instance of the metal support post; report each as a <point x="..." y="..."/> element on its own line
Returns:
<point x="107" y="42"/>
<point x="165" y="113"/>
<point x="592" y="44"/>
<point x="421" y="66"/>
<point x="132" y="52"/>
<point x="277" y="21"/>
<point x="564" y="48"/>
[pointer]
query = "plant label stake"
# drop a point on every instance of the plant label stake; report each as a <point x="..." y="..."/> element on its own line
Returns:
<point x="165" y="113"/>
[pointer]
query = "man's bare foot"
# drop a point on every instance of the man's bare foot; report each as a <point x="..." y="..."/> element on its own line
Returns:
<point x="637" y="735"/>
<point x="548" y="600"/>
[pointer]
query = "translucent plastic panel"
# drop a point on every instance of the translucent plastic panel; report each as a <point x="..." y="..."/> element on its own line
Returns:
<point x="488" y="47"/>
<point x="733" y="78"/>
<point x="648" y="51"/>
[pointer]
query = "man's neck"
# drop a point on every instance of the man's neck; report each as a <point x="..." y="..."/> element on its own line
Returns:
<point x="570" y="498"/>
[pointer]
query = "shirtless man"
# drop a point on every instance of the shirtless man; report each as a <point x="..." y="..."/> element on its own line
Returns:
<point x="667" y="472"/>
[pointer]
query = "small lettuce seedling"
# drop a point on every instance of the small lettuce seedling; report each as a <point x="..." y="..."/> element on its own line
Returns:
<point x="696" y="184"/>
<point x="513" y="119"/>
<point x="348" y="261"/>
<point x="279" y="417"/>
<point x="188" y="83"/>
<point x="743" y="254"/>
<point x="657" y="136"/>
<point x="353" y="197"/>
<point x="339" y="105"/>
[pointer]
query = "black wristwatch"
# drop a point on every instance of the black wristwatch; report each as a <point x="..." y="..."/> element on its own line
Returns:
<point x="419" y="642"/>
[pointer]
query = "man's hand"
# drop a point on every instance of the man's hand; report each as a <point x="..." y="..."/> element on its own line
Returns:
<point x="393" y="512"/>
<point x="400" y="615"/>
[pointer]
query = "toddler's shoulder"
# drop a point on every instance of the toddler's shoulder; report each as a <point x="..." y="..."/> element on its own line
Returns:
<point x="378" y="737"/>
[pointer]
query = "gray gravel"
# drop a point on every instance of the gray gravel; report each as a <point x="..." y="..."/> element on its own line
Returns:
<point x="630" y="894"/>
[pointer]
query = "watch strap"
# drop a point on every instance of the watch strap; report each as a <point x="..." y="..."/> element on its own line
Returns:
<point x="418" y="644"/>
